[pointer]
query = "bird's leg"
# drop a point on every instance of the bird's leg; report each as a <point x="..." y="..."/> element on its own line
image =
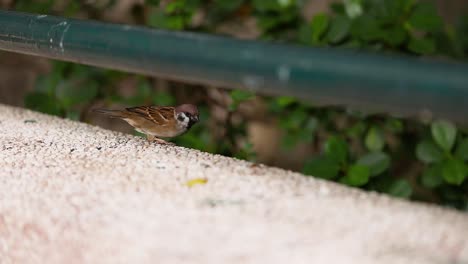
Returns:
<point x="162" y="142"/>
<point x="152" y="138"/>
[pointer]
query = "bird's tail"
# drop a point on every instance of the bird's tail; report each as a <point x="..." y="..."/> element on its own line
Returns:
<point x="110" y="113"/>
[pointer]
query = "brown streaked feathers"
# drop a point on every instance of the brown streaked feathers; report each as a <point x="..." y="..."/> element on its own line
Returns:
<point x="159" y="115"/>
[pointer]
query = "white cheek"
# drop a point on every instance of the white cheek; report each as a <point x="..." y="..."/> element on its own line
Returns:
<point x="184" y="122"/>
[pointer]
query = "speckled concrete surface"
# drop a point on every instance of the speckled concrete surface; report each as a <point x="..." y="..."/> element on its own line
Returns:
<point x="74" y="193"/>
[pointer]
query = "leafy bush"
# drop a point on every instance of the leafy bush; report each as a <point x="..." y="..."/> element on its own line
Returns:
<point x="405" y="158"/>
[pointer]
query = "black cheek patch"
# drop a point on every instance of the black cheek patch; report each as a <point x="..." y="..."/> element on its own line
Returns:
<point x="191" y="123"/>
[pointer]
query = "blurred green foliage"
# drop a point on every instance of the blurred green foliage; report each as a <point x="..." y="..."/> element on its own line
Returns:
<point x="404" y="158"/>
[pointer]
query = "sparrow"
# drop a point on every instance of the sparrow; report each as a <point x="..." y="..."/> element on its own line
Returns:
<point x="157" y="121"/>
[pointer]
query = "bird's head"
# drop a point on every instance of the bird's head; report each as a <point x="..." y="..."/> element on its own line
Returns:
<point x="187" y="115"/>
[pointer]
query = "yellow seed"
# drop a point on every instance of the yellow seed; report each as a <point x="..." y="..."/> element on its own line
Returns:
<point x="196" y="181"/>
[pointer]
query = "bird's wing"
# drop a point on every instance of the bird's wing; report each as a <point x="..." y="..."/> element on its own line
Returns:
<point x="158" y="115"/>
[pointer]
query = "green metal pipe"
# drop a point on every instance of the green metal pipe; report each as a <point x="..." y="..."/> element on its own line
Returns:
<point x="398" y="85"/>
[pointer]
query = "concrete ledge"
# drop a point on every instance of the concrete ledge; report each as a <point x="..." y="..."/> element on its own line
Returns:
<point x="74" y="193"/>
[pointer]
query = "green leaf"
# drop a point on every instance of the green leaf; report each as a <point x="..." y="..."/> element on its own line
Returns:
<point x="394" y="125"/>
<point x="425" y="17"/>
<point x="322" y="167"/>
<point x="336" y="148"/>
<point x="295" y="120"/>
<point x="353" y="8"/>
<point x="395" y="35"/>
<point x="175" y="5"/>
<point x="268" y="22"/>
<point x="444" y="134"/>
<point x="339" y="29"/>
<point x="375" y="139"/>
<point x="367" y="28"/>
<point x="241" y="95"/>
<point x="286" y="3"/>
<point x="454" y="171"/>
<point x="285" y="101"/>
<point x="428" y="152"/>
<point x="43" y="103"/>
<point x="357" y="130"/>
<point x="378" y="162"/>
<point x="238" y="96"/>
<point x="462" y="150"/>
<point x="358" y="175"/>
<point x="422" y="45"/>
<point x="282" y="23"/>
<point x="400" y="188"/>
<point x="432" y="176"/>
<point x="305" y="34"/>
<point x="158" y="19"/>
<point x="319" y="25"/>
<point x="389" y="11"/>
